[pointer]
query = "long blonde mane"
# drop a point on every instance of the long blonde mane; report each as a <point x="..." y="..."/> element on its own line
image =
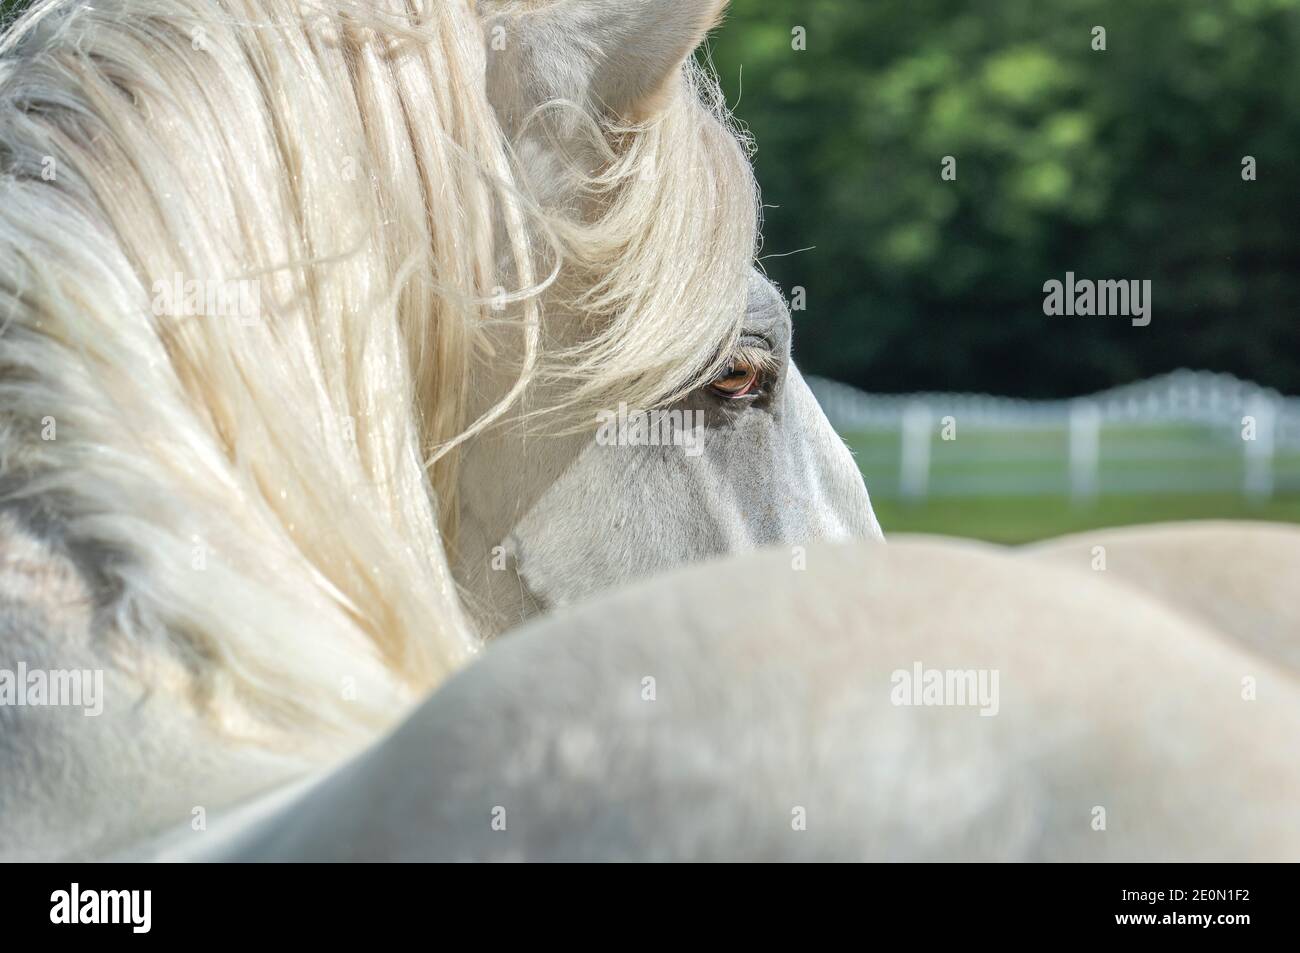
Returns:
<point x="269" y="501"/>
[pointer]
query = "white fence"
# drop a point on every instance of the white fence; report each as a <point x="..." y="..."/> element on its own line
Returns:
<point x="1188" y="431"/>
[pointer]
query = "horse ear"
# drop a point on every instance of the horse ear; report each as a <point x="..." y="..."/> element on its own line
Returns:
<point x="620" y="57"/>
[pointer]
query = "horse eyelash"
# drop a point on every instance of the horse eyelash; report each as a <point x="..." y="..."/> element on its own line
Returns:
<point x="762" y="359"/>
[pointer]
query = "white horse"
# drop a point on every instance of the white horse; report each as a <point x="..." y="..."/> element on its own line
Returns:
<point x="307" y="317"/>
<point x="647" y="724"/>
<point x="454" y="239"/>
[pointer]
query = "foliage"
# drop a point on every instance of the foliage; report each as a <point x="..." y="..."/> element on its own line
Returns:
<point x="1123" y="163"/>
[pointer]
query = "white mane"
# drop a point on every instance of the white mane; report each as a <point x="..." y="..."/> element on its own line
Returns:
<point x="264" y="506"/>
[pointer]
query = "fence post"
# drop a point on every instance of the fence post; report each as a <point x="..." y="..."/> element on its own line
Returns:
<point x="914" y="471"/>
<point x="1085" y="449"/>
<point x="1259" y="452"/>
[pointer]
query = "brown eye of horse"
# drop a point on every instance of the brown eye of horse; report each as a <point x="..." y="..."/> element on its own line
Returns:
<point x="738" y="380"/>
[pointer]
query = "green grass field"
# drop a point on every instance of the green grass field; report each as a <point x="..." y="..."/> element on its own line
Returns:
<point x="1011" y="486"/>
<point x="1023" y="519"/>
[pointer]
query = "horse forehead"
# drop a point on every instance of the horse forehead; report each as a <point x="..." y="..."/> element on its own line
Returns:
<point x="765" y="310"/>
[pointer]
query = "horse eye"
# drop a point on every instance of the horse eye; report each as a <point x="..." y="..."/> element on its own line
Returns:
<point x="738" y="380"/>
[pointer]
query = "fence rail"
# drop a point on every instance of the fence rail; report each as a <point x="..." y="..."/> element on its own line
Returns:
<point x="1187" y="431"/>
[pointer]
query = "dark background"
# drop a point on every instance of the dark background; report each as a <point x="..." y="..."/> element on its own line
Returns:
<point x="1122" y="164"/>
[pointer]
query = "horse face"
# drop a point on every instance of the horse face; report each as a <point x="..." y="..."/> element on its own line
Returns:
<point x="749" y="460"/>
<point x="745" y="460"/>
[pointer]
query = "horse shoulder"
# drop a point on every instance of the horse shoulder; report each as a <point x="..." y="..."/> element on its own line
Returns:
<point x="743" y="709"/>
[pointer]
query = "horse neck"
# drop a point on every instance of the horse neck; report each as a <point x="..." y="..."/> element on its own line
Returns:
<point x="230" y="474"/>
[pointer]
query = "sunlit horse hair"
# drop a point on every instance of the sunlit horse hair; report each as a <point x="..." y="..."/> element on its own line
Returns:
<point x="269" y="498"/>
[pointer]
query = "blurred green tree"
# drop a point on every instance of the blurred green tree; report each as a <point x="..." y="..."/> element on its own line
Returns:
<point x="1116" y="163"/>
